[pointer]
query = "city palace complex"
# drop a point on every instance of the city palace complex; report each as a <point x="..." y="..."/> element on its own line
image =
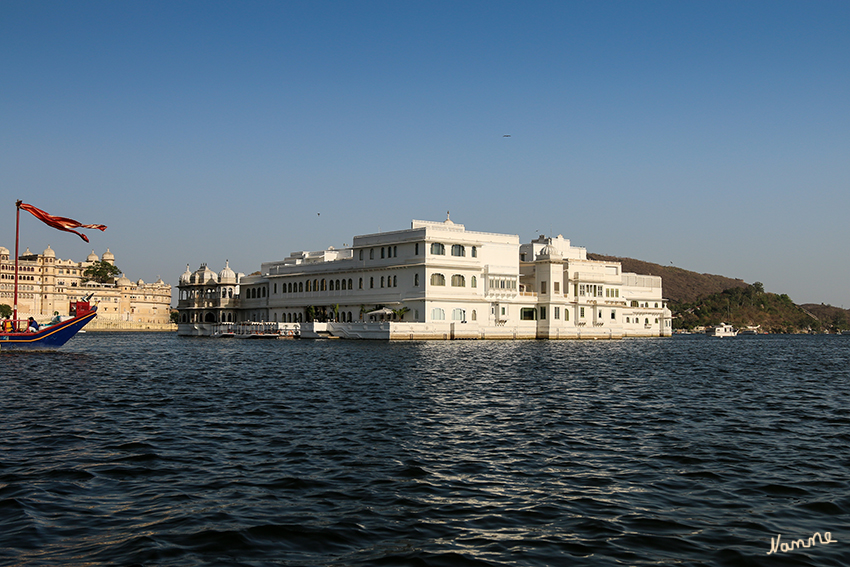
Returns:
<point x="435" y="280"/>
<point x="47" y="285"/>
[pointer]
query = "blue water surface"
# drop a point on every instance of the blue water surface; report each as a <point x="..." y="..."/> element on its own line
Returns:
<point x="151" y="449"/>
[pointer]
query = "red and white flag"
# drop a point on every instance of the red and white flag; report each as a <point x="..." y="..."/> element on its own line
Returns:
<point x="62" y="223"/>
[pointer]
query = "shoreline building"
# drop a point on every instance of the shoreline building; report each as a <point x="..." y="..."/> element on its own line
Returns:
<point x="435" y="280"/>
<point x="47" y="284"/>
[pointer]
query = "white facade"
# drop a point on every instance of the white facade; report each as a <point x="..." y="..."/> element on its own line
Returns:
<point x="440" y="281"/>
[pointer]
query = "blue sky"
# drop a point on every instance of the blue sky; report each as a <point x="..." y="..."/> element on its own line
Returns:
<point x="711" y="135"/>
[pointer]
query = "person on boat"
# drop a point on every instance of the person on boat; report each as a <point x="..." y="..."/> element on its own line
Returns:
<point x="56" y="319"/>
<point x="7" y="326"/>
<point x="33" y="326"/>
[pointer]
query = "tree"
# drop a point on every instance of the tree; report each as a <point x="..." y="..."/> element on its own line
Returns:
<point x="400" y="312"/>
<point x="5" y="311"/>
<point x="758" y="287"/>
<point x="101" y="272"/>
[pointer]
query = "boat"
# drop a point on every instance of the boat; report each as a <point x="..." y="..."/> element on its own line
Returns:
<point x="255" y="330"/>
<point x="721" y="330"/>
<point x="15" y="334"/>
<point x="48" y="337"/>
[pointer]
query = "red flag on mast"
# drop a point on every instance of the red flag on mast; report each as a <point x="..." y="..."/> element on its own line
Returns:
<point x="61" y="223"/>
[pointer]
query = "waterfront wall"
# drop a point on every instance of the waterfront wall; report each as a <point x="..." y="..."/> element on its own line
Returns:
<point x="100" y="324"/>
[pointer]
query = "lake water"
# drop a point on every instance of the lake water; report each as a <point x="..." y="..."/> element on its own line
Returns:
<point x="152" y="449"/>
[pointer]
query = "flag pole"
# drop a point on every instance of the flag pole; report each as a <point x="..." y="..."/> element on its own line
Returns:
<point x="17" y="235"/>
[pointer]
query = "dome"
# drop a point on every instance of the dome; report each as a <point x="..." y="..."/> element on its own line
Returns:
<point x="140" y="283"/>
<point x="549" y="252"/>
<point x="204" y="275"/>
<point x="109" y="256"/>
<point x="49" y="253"/>
<point x="227" y="275"/>
<point x="92" y="257"/>
<point x="123" y="281"/>
<point x="4" y="251"/>
<point x="186" y="276"/>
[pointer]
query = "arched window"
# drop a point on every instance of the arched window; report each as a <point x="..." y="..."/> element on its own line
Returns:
<point x="337" y="285"/>
<point x="474" y="252"/>
<point x="416" y="280"/>
<point x="458" y="250"/>
<point x="371" y="283"/>
<point x="458" y="281"/>
<point x="474" y="282"/>
<point x="474" y="315"/>
<point x="360" y="283"/>
<point x="395" y="281"/>
<point x="458" y="314"/>
<point x="395" y="252"/>
<point x="382" y="281"/>
<point x="349" y="284"/>
<point x="224" y="293"/>
<point x="300" y="286"/>
<point x="382" y="251"/>
<point x="316" y="285"/>
<point x="438" y="314"/>
<point x="361" y="253"/>
<point x="309" y="285"/>
<point x="438" y="249"/>
<point x="371" y="253"/>
<point x="438" y="279"/>
<point x="324" y="285"/>
<point x="343" y="285"/>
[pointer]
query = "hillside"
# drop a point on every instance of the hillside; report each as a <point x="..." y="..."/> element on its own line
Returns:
<point x="828" y="316"/>
<point x="744" y="307"/>
<point x="697" y="300"/>
<point x="679" y="285"/>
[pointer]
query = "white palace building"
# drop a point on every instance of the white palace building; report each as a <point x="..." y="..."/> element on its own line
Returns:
<point x="435" y="280"/>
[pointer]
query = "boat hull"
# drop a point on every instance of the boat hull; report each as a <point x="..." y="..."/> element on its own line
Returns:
<point x="47" y="338"/>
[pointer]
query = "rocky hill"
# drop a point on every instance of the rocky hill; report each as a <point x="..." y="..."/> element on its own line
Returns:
<point x="679" y="285"/>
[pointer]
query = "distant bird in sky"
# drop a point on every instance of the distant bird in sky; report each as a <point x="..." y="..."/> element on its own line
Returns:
<point x="506" y="136"/>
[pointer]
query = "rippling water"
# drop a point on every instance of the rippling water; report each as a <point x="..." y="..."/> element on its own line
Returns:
<point x="155" y="450"/>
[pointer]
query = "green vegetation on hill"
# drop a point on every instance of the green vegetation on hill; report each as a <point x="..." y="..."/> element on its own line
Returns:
<point x="744" y="307"/>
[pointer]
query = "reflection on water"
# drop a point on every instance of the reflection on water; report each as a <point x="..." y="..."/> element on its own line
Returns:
<point x="153" y="449"/>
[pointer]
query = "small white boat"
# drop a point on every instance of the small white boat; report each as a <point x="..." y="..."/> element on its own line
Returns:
<point x="721" y="330"/>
